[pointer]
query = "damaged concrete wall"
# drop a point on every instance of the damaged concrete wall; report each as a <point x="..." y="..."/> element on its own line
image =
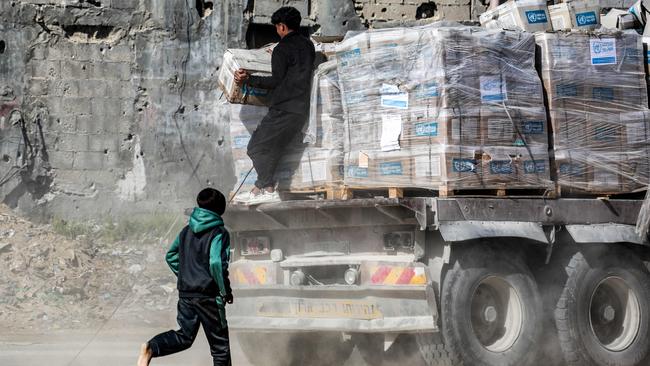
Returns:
<point x="111" y="107"/>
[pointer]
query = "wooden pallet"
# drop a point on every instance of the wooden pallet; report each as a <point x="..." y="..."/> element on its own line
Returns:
<point x="346" y="193"/>
<point x="445" y="191"/>
<point x="573" y="192"/>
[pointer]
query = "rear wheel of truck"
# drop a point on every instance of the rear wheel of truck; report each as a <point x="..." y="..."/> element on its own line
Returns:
<point x="292" y="349"/>
<point x="602" y="315"/>
<point x="491" y="309"/>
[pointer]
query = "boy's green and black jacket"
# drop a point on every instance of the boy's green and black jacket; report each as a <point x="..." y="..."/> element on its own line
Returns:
<point x="199" y="257"/>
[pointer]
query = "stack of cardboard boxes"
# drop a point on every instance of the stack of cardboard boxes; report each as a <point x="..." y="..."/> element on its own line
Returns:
<point x="459" y="107"/>
<point x="597" y="99"/>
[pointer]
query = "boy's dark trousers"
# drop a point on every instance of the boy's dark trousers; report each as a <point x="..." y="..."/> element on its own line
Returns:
<point x="192" y="312"/>
<point x="271" y="138"/>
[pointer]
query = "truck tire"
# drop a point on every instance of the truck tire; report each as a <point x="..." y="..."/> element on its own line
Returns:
<point x="491" y="309"/>
<point x="292" y="349"/>
<point x="434" y="352"/>
<point x="602" y="315"/>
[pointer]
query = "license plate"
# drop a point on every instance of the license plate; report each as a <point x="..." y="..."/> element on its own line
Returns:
<point x="306" y="308"/>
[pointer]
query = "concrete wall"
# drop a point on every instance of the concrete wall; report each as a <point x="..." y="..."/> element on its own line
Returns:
<point x="111" y="107"/>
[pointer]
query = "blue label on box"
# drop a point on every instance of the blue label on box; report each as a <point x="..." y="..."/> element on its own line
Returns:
<point x="428" y="90"/>
<point x="254" y="92"/>
<point x="387" y="101"/>
<point x="586" y="18"/>
<point x="501" y="167"/>
<point x="346" y="56"/>
<point x="605" y="133"/>
<point x="536" y="16"/>
<point x="426" y="129"/>
<point x="603" y="93"/>
<point x="241" y="141"/>
<point x="532" y="127"/>
<point x="463" y="165"/>
<point x="534" y="166"/>
<point x="603" y="51"/>
<point x="391" y="168"/>
<point x="566" y="90"/>
<point x="571" y="169"/>
<point x="356" y="172"/>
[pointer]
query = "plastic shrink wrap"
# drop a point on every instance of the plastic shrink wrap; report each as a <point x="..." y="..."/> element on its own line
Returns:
<point x="443" y="107"/>
<point x="597" y="98"/>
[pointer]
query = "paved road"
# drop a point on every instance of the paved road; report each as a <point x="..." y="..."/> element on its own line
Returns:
<point x="110" y="348"/>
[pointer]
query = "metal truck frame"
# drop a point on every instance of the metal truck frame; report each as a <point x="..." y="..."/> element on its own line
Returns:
<point x="493" y="277"/>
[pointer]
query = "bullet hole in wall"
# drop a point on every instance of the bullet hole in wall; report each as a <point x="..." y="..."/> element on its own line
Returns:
<point x="6" y="158"/>
<point x="129" y="137"/>
<point x="3" y="46"/>
<point x="426" y="10"/>
<point x="204" y="8"/>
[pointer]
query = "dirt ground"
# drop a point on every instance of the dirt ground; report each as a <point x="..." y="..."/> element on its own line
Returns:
<point x="89" y="294"/>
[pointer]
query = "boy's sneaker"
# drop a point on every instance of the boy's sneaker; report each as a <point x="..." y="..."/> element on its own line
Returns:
<point x="244" y="197"/>
<point x="266" y="197"/>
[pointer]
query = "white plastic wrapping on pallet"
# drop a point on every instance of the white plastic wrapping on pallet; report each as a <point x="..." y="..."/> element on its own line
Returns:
<point x="453" y="106"/>
<point x="525" y="15"/>
<point x="244" y="119"/>
<point x="598" y="104"/>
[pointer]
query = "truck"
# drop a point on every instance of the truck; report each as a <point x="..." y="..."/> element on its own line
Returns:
<point x="473" y="280"/>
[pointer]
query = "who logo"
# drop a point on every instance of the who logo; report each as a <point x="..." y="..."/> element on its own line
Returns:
<point x="536" y="16"/>
<point x="586" y="18"/>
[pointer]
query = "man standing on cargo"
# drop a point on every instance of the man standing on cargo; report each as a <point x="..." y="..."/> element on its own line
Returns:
<point x="292" y="65"/>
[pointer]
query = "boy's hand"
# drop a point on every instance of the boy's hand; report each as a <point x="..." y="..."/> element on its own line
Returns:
<point x="229" y="299"/>
<point x="241" y="76"/>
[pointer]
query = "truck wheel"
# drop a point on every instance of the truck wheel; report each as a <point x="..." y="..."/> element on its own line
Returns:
<point x="281" y="349"/>
<point x="602" y="315"/>
<point x="433" y="350"/>
<point x="491" y="309"/>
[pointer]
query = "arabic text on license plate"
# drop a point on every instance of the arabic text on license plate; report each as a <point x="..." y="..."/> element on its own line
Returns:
<point x="302" y="308"/>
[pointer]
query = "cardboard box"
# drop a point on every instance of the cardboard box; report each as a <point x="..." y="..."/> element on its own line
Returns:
<point x="571" y="169"/>
<point x="258" y="62"/>
<point x="310" y="169"/>
<point x="526" y="15"/>
<point x="373" y="169"/>
<point x="583" y="14"/>
<point x="463" y="168"/>
<point x="618" y="19"/>
<point x="244" y="119"/>
<point x="427" y="166"/>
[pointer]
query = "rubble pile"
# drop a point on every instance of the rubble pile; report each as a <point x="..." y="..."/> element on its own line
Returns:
<point x="52" y="282"/>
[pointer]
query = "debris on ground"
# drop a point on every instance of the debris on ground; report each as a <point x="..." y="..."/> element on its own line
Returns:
<point x="51" y="281"/>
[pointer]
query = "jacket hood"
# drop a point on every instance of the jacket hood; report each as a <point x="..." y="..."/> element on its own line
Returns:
<point x="202" y="219"/>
